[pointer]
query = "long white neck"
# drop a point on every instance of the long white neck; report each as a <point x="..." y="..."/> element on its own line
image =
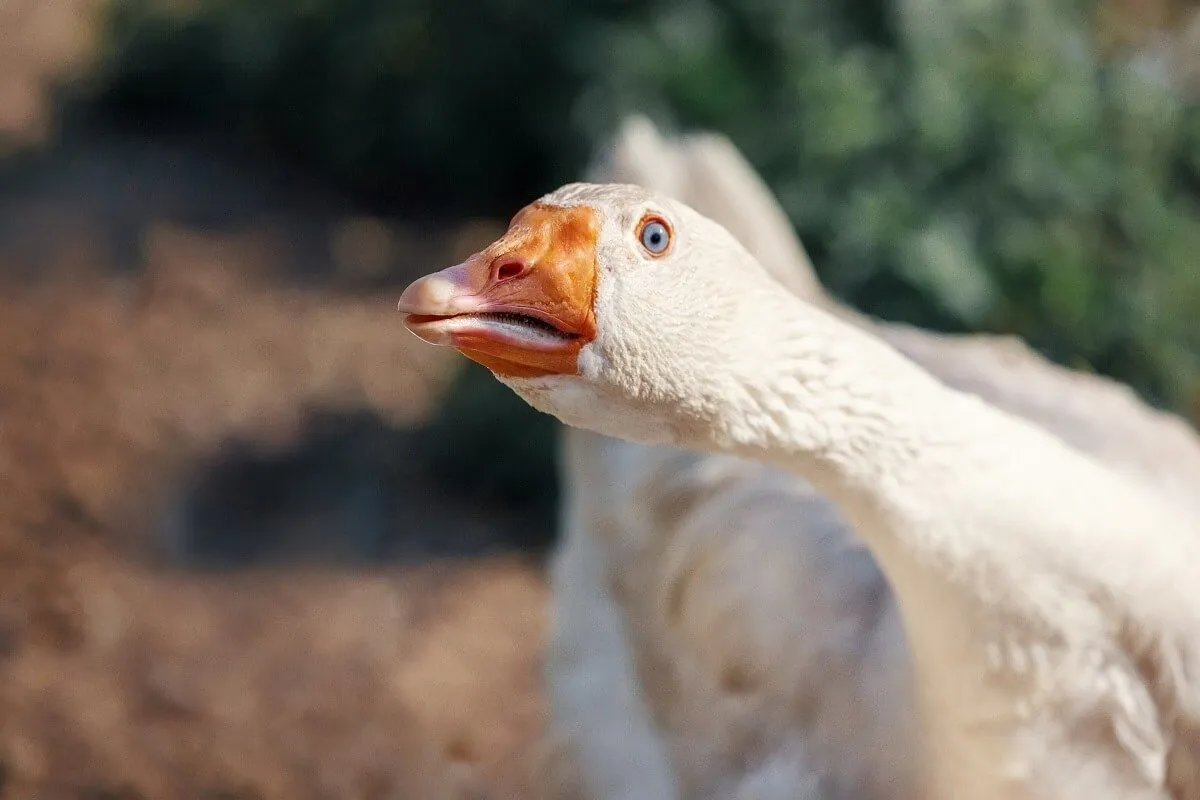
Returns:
<point x="939" y="482"/>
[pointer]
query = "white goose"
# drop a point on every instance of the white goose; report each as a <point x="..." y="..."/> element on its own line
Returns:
<point x="1046" y="598"/>
<point x="776" y="589"/>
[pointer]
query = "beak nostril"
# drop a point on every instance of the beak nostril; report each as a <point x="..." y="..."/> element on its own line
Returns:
<point x="508" y="269"/>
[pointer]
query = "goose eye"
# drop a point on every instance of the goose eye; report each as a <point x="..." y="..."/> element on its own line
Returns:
<point x="655" y="236"/>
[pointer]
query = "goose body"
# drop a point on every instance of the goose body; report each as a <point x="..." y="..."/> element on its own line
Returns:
<point x="1045" y="595"/>
<point x="756" y="652"/>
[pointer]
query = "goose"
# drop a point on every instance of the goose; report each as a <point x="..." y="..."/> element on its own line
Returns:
<point x="774" y="581"/>
<point x="1044" y="595"/>
<point x="639" y="700"/>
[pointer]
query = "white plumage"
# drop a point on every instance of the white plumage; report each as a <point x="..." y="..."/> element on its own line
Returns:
<point x="720" y="632"/>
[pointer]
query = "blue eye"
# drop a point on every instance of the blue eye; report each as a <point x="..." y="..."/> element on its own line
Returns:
<point x="655" y="236"/>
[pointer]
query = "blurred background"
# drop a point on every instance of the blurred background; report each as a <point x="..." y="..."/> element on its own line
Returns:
<point x="256" y="541"/>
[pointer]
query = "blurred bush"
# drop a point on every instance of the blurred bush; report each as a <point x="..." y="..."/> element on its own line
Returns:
<point x="426" y="104"/>
<point x="961" y="164"/>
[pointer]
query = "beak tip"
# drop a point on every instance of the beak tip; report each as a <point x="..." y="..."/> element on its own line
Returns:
<point x="432" y="294"/>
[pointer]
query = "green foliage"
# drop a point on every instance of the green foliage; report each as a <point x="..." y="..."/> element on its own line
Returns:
<point x="961" y="164"/>
<point x="965" y="165"/>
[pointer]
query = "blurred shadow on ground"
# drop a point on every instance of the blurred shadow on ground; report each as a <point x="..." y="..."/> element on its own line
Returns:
<point x="352" y="490"/>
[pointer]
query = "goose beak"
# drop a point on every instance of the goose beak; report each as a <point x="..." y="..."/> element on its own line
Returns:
<point x="522" y="307"/>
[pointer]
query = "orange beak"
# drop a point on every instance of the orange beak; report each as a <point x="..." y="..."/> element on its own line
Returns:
<point x="523" y="306"/>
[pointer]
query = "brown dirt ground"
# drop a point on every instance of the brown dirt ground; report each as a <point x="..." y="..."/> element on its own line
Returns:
<point x="154" y="304"/>
<point x="40" y="41"/>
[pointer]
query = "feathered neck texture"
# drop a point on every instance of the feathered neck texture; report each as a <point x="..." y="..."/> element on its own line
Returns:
<point x="938" y="482"/>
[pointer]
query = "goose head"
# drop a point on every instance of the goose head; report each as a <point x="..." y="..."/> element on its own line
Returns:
<point x="612" y="307"/>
